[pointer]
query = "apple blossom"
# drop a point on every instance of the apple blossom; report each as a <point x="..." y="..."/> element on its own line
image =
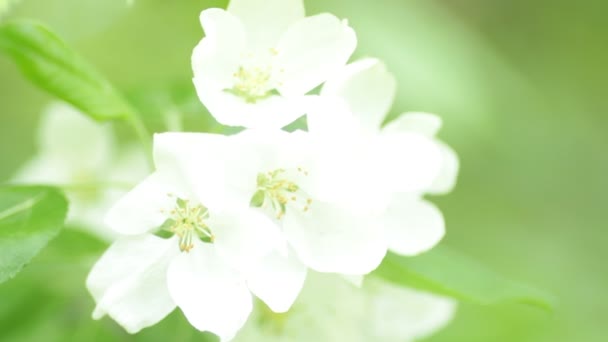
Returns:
<point x="281" y="174"/>
<point x="82" y="156"/>
<point x="403" y="156"/>
<point x="217" y="254"/>
<point x="331" y="309"/>
<point x="260" y="57"/>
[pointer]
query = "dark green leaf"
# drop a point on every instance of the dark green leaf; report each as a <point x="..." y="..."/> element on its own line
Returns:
<point x="446" y="272"/>
<point x="53" y="66"/>
<point x="29" y="218"/>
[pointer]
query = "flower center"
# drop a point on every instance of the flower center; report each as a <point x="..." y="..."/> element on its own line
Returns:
<point x="187" y="221"/>
<point x="274" y="189"/>
<point x="254" y="80"/>
<point x="252" y="83"/>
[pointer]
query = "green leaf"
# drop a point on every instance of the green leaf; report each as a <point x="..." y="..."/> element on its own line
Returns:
<point x="446" y="272"/>
<point x="29" y="218"/>
<point x="53" y="66"/>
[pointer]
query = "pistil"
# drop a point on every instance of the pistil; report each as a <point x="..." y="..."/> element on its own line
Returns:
<point x="276" y="190"/>
<point x="187" y="222"/>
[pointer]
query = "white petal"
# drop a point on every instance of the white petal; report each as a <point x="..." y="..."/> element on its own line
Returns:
<point x="368" y="88"/>
<point x="70" y="136"/>
<point x="194" y="159"/>
<point x="231" y="110"/>
<point x="446" y="180"/>
<point x="44" y="170"/>
<point x="265" y="21"/>
<point x="169" y="147"/>
<point x="276" y="148"/>
<point x="412" y="225"/>
<point x="89" y="216"/>
<point x="228" y="166"/>
<point x="329" y="115"/>
<point x="211" y="295"/>
<point x="130" y="166"/>
<point x="173" y="148"/>
<point x="311" y="50"/>
<point x="402" y="314"/>
<point x="340" y="172"/>
<point x="429" y="124"/>
<point x="331" y="239"/>
<point x="277" y="281"/>
<point x="139" y="211"/>
<point x="329" y="309"/>
<point x="217" y="56"/>
<point x="129" y="282"/>
<point x="244" y="236"/>
<point x="344" y="155"/>
<point x="405" y="162"/>
<point x="223" y="173"/>
<point x="424" y="123"/>
<point x="82" y="213"/>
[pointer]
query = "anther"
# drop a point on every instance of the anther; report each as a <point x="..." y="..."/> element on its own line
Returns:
<point x="277" y="192"/>
<point x="187" y="222"/>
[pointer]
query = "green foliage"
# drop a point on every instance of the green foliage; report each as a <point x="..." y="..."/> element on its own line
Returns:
<point x="446" y="272"/>
<point x="53" y="66"/>
<point x="29" y="218"/>
<point x="49" y="302"/>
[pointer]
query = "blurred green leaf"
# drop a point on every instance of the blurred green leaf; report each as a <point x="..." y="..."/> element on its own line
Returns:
<point x="446" y="272"/>
<point x="172" y="107"/>
<point x="29" y="218"/>
<point x="53" y="66"/>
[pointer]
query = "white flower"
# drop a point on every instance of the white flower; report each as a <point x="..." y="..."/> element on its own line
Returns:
<point x="217" y="256"/>
<point x="403" y="157"/>
<point x="330" y="309"/>
<point x="260" y="57"/>
<point x="81" y="155"/>
<point x="283" y="175"/>
<point x="399" y="314"/>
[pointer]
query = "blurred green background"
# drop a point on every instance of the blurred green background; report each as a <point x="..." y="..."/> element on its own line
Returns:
<point x="520" y="86"/>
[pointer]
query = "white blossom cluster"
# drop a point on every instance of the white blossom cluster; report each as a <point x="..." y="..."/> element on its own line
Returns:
<point x="226" y="219"/>
<point x="86" y="160"/>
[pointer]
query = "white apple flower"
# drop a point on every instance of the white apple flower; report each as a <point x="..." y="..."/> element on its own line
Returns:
<point x="82" y="156"/>
<point x="330" y="309"/>
<point x="260" y="57"/>
<point x="400" y="314"/>
<point x="404" y="157"/>
<point x="218" y="253"/>
<point x="283" y="175"/>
